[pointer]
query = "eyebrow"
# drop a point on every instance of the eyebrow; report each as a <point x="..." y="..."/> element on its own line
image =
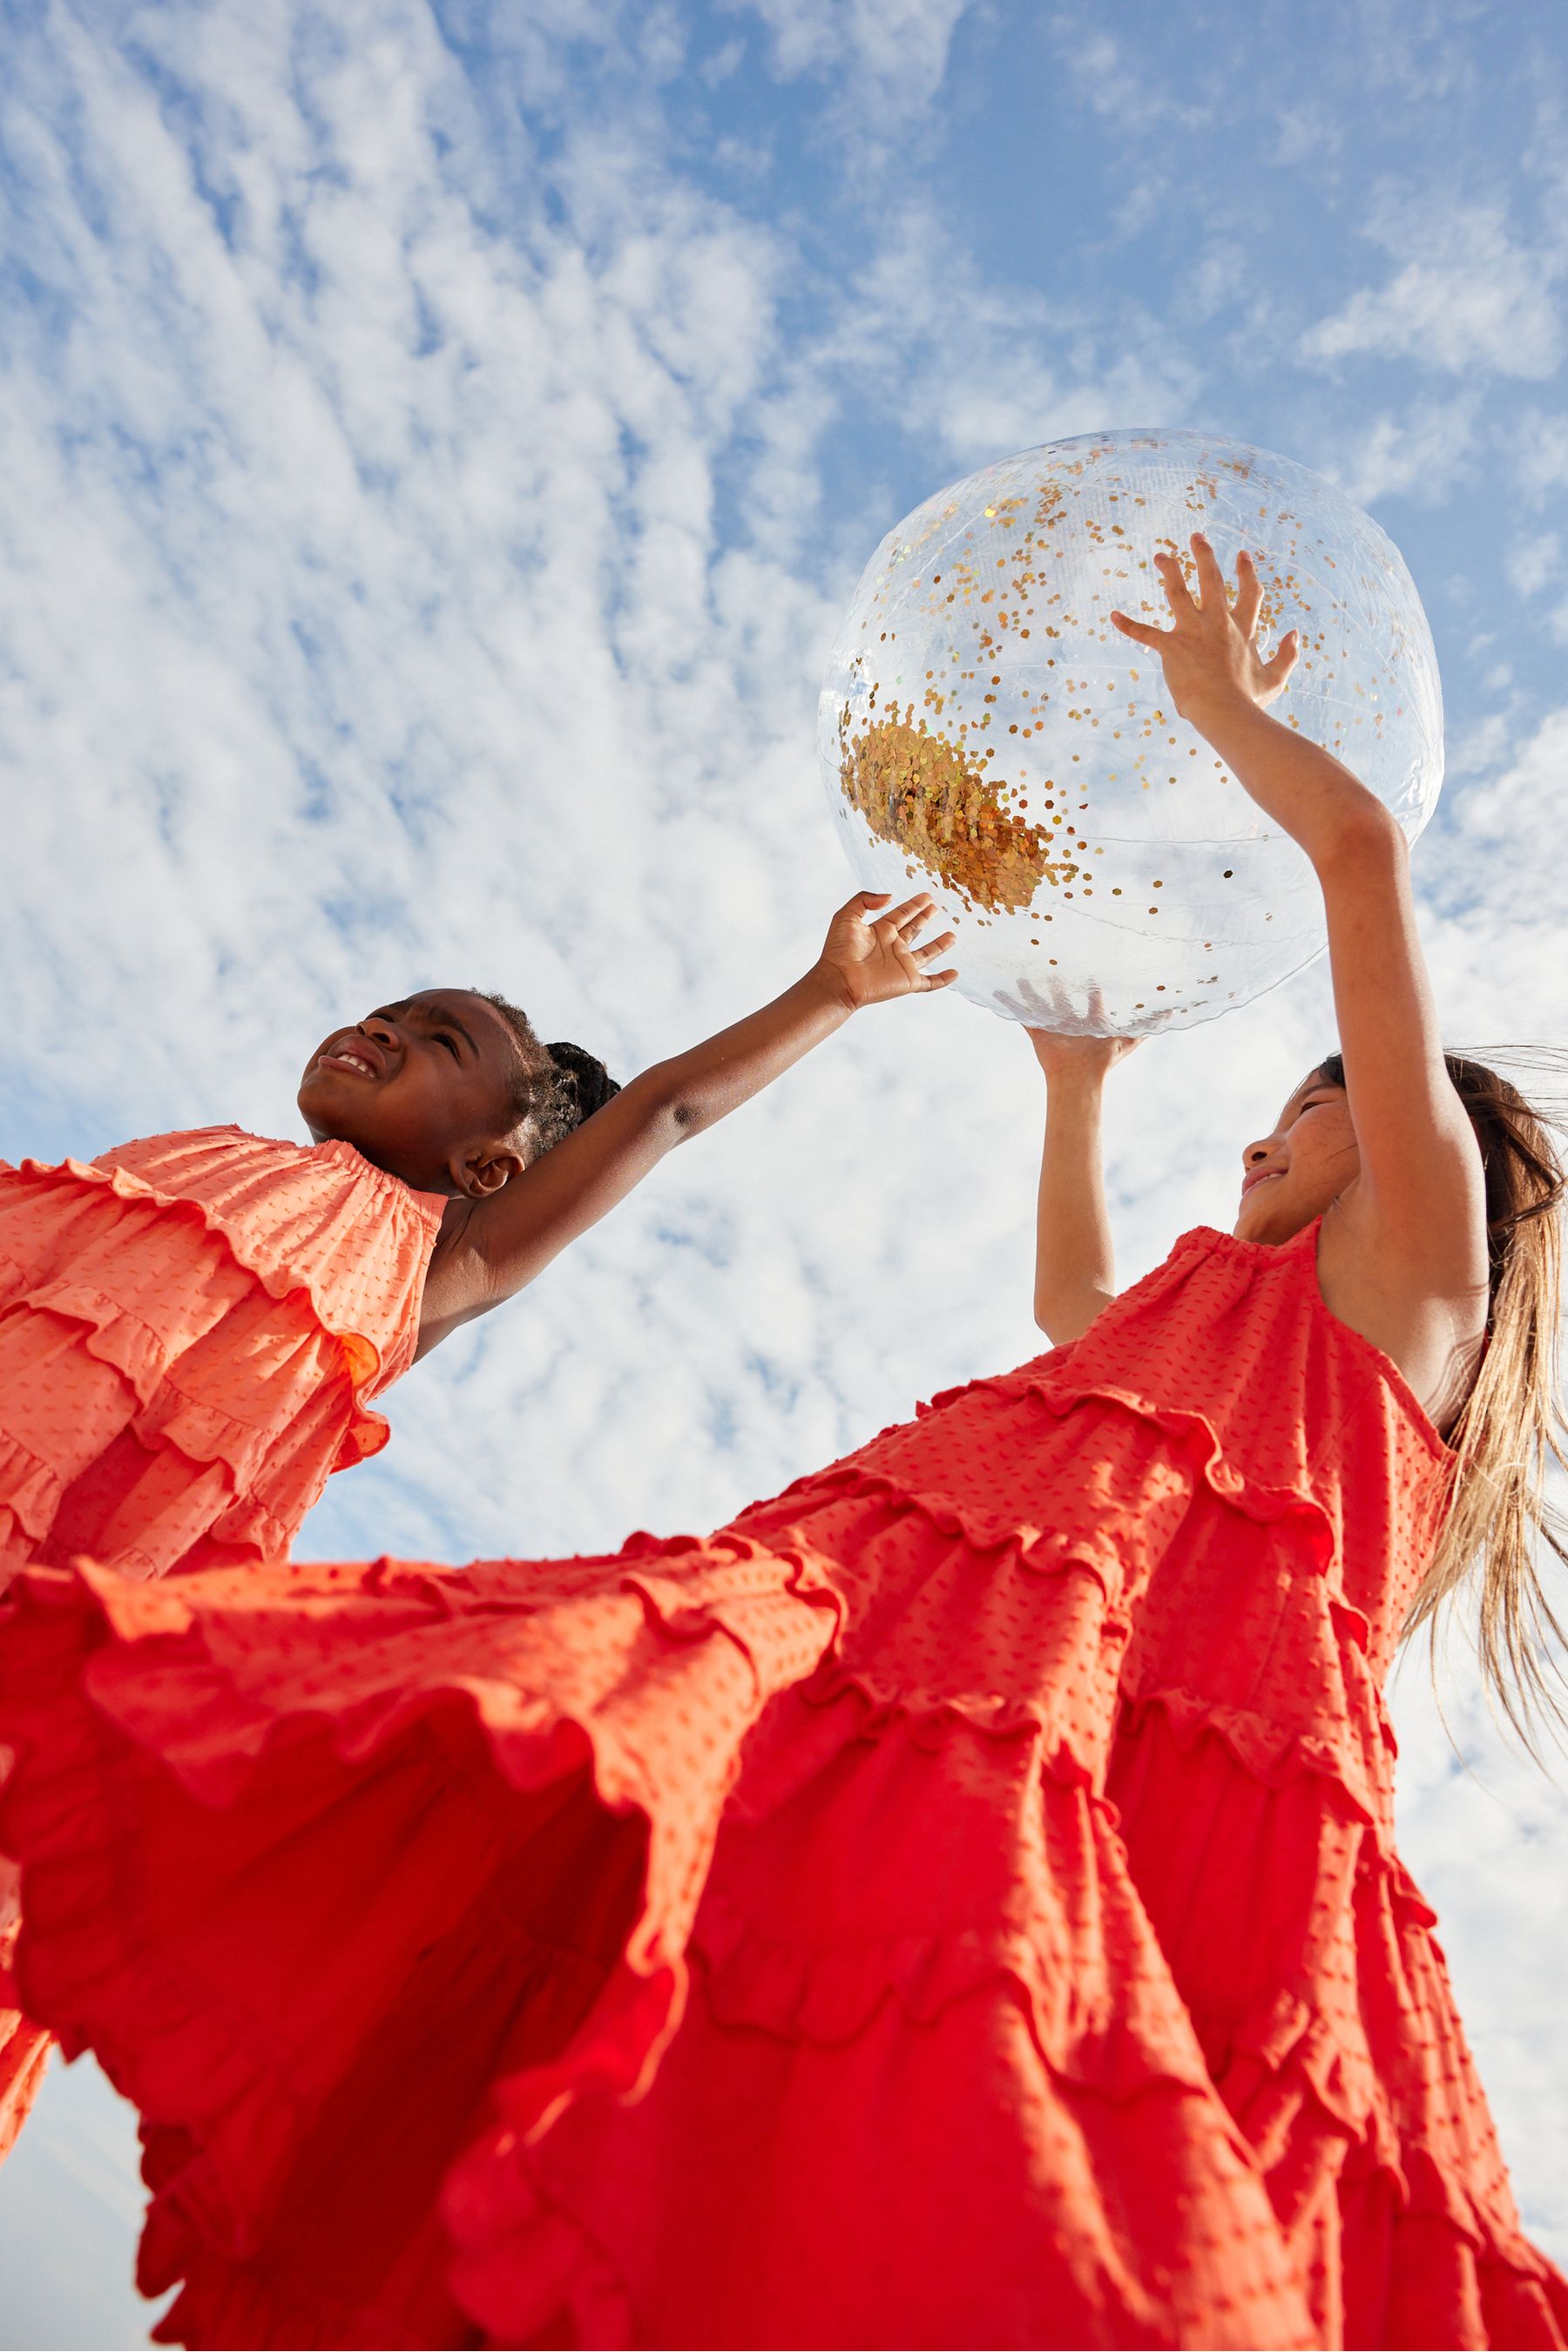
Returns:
<point x="441" y="1013"/>
<point x="449" y="1020"/>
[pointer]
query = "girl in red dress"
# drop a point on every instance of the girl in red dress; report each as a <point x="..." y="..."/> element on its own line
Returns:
<point x="193" y="1327"/>
<point x="734" y="1942"/>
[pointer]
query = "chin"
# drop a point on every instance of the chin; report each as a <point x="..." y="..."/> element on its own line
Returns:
<point x="1263" y="1216"/>
<point x="328" y="1120"/>
<point x="313" y="1102"/>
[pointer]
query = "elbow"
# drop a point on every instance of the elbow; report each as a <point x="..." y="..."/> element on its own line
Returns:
<point x="1063" y="1320"/>
<point x="686" y="1115"/>
<point x="1363" y="834"/>
<point x="674" y="1112"/>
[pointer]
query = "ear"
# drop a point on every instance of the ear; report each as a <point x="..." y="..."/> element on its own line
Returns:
<point x="485" y="1168"/>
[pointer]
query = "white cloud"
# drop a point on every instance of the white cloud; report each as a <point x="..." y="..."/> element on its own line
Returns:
<point x="1469" y="297"/>
<point x="1496" y="887"/>
<point x="1306" y="132"/>
<point x="1539" y="446"/>
<point x="1477" y="749"/>
<point x="980" y="368"/>
<point x="1417" y="455"/>
<point x="1534" y="563"/>
<point x="1422" y="51"/>
<point x="1124" y="89"/>
<point x="889" y="51"/>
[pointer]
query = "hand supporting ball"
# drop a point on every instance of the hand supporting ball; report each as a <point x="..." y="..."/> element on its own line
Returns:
<point x="985" y="733"/>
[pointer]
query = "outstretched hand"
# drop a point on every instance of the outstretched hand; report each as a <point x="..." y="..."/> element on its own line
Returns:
<point x="1065" y="1041"/>
<point x="1210" y="650"/>
<point x="870" y="957"/>
<point x="1091" y="1056"/>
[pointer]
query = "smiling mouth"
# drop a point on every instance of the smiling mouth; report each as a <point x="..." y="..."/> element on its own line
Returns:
<point x="1261" y="1176"/>
<point x="348" y="1057"/>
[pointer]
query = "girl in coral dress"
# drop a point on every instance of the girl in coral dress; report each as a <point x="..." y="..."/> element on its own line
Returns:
<point x="194" y="1325"/>
<point x="734" y="1941"/>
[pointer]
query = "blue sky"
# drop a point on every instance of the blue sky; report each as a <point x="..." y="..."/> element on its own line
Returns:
<point x="435" y="447"/>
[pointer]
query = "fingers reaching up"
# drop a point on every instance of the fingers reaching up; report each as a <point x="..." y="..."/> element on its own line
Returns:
<point x="1248" y="597"/>
<point x="877" y="955"/>
<point x="1211" y="646"/>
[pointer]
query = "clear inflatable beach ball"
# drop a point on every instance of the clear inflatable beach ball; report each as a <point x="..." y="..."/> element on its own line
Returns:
<point x="986" y="734"/>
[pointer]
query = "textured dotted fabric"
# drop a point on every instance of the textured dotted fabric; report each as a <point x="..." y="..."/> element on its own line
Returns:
<point x="955" y="1904"/>
<point x="1253" y="1775"/>
<point x="190" y="1329"/>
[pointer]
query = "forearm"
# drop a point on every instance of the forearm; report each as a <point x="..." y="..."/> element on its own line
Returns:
<point x="1075" y="1265"/>
<point x="503" y="1242"/>
<point x="702" y="1086"/>
<point x="1361" y="856"/>
<point x="1307" y="792"/>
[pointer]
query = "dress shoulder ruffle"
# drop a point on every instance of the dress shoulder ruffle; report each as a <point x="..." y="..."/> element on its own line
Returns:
<point x="318" y="1219"/>
<point x="164" y="1377"/>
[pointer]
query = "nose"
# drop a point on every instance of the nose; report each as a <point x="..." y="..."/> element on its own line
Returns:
<point x="383" y="1030"/>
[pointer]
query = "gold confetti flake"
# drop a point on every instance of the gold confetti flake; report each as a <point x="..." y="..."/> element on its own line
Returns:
<point x="923" y="794"/>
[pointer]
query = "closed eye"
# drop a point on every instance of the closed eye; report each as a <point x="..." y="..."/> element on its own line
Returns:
<point x="450" y="1042"/>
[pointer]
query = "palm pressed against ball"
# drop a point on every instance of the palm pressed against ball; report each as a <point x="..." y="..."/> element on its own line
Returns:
<point x="984" y="730"/>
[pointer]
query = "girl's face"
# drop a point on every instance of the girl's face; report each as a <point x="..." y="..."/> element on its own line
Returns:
<point x="424" y="1089"/>
<point x="1295" y="1174"/>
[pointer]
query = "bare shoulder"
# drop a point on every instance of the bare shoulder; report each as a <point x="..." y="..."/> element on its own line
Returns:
<point x="1416" y="1287"/>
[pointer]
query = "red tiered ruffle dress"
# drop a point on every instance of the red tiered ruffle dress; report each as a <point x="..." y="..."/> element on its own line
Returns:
<point x="1253" y="1772"/>
<point x="191" y="1328"/>
<point x="732" y="1942"/>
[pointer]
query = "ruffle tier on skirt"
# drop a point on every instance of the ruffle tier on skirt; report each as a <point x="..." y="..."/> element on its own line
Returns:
<point x="723" y="1943"/>
<point x="162" y="1407"/>
<point x="1252" y="1772"/>
<point x="1306" y="1959"/>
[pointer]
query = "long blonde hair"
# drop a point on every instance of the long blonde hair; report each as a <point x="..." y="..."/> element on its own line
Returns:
<point x="1512" y="1430"/>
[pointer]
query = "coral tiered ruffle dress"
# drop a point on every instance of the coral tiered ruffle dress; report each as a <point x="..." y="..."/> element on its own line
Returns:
<point x="1253" y="1773"/>
<point x="191" y="1328"/>
<point x="732" y="1942"/>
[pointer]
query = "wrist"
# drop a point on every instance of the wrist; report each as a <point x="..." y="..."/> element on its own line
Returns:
<point x="1224" y="710"/>
<point x="1075" y="1066"/>
<point x="1219" y="699"/>
<point x="1073" y="1077"/>
<point x="827" y="991"/>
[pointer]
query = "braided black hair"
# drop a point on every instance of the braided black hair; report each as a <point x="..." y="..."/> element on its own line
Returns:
<point x="557" y="1086"/>
<point x="585" y="1081"/>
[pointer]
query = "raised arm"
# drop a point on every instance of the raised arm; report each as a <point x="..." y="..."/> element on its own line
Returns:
<point x="1075" y="1264"/>
<point x="1404" y="1257"/>
<point x="491" y="1249"/>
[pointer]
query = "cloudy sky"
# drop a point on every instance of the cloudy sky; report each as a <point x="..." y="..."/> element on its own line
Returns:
<point x="437" y="441"/>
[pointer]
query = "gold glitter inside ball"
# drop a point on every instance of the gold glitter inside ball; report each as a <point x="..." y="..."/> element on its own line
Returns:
<point x="925" y="794"/>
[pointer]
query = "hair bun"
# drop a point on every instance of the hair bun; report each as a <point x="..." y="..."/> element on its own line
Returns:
<point x="583" y="1080"/>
